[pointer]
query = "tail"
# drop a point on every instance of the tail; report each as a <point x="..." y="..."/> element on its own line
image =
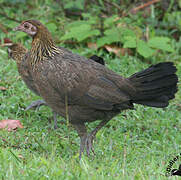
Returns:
<point x="155" y="86"/>
<point x="97" y="59"/>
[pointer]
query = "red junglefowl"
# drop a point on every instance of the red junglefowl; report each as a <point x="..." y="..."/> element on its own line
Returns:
<point x="85" y="91"/>
<point x="18" y="53"/>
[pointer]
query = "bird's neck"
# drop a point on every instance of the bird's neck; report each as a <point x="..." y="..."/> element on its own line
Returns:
<point x="43" y="47"/>
<point x="18" y="55"/>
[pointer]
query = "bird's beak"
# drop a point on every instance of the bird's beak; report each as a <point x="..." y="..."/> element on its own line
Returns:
<point x="18" y="28"/>
<point x="9" y="53"/>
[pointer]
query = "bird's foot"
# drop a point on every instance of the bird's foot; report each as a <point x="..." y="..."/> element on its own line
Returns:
<point x="55" y="126"/>
<point x="87" y="144"/>
<point x="36" y="104"/>
<point x="86" y="140"/>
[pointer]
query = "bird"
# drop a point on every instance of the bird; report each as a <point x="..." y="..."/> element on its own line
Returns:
<point x="84" y="91"/>
<point x="18" y="52"/>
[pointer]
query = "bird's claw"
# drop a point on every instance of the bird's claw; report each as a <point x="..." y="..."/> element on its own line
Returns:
<point x="55" y="126"/>
<point x="87" y="143"/>
<point x="36" y="104"/>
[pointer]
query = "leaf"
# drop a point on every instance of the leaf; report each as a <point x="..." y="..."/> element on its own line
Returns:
<point x="111" y="35"/>
<point x="162" y="43"/>
<point x="116" y="34"/>
<point x="69" y="26"/>
<point x="130" y="42"/>
<point x="10" y="124"/>
<point x="51" y="27"/>
<point x="90" y="19"/>
<point x="113" y="31"/>
<point x="110" y="21"/>
<point x="81" y="32"/>
<point x="20" y="35"/>
<point x="3" y="88"/>
<point x="87" y="34"/>
<point x="74" y="4"/>
<point x="179" y="3"/>
<point x="3" y="29"/>
<point x="107" y="40"/>
<point x="143" y="49"/>
<point x="127" y="32"/>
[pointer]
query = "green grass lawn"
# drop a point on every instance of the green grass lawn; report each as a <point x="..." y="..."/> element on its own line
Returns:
<point x="136" y="144"/>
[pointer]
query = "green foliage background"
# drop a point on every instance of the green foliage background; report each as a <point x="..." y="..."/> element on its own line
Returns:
<point x="134" y="145"/>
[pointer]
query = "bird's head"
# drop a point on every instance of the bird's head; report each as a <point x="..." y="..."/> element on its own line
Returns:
<point x="42" y="44"/>
<point x="30" y="27"/>
<point x="34" y="28"/>
<point x="16" y="51"/>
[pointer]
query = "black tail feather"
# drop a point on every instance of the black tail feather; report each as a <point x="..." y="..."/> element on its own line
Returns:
<point x="156" y="85"/>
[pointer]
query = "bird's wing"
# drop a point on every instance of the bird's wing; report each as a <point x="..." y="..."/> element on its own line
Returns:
<point x="85" y="82"/>
<point x="104" y="94"/>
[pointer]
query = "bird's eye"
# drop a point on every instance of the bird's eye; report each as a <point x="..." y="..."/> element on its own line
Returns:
<point x="26" y="26"/>
<point x="33" y="29"/>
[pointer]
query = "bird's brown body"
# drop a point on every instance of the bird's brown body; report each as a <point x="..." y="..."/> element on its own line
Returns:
<point x="86" y="102"/>
<point x="87" y="91"/>
<point x="19" y="53"/>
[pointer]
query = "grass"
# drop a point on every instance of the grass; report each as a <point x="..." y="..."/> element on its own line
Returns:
<point x="136" y="144"/>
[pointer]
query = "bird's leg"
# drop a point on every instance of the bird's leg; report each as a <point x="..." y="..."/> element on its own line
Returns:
<point x="36" y="104"/>
<point x="82" y="132"/>
<point x="91" y="137"/>
<point x="86" y="140"/>
<point x="55" y="120"/>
